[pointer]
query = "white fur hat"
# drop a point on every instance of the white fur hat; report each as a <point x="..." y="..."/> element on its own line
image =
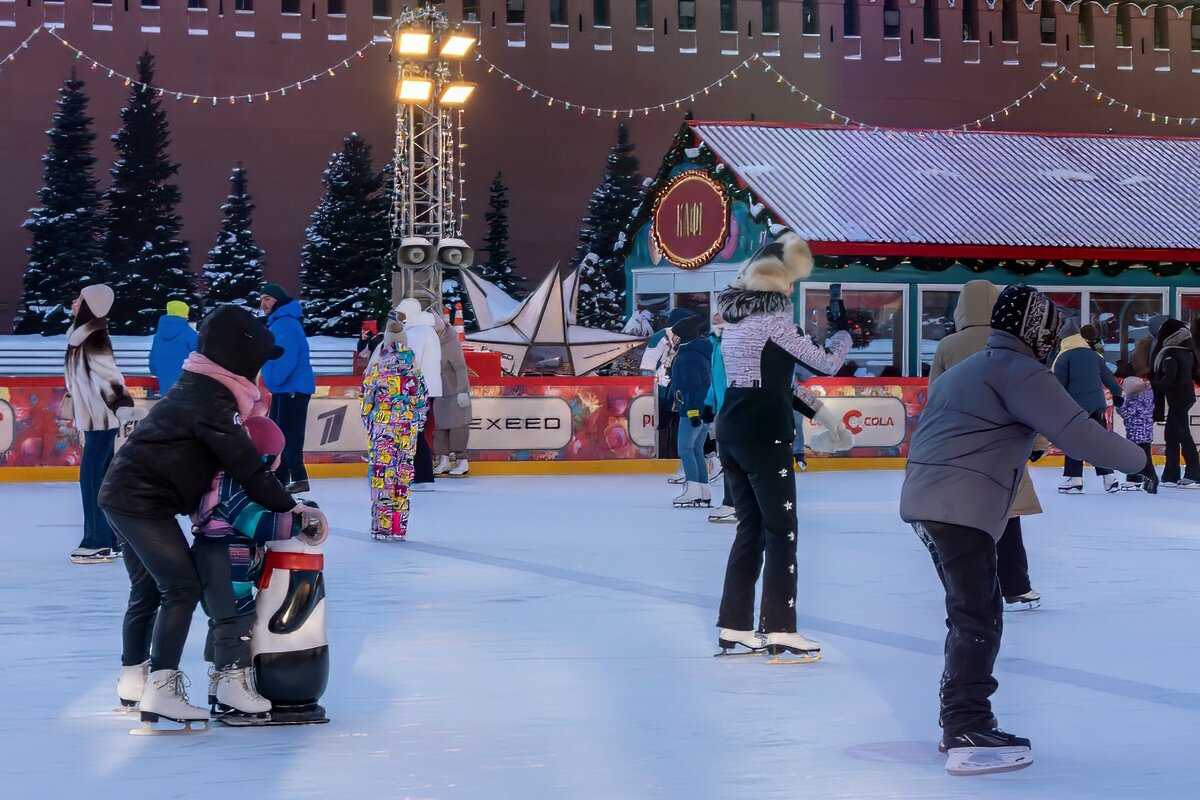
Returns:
<point x="99" y="298"/>
<point x="776" y="266"/>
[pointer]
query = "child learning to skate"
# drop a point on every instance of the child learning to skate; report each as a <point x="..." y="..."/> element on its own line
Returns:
<point x="231" y="532"/>
<point x="1138" y="414"/>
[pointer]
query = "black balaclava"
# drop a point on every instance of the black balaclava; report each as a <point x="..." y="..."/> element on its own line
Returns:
<point x="237" y="340"/>
<point x="1030" y="316"/>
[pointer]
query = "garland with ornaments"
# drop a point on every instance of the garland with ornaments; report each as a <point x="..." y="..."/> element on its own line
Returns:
<point x="95" y="65"/>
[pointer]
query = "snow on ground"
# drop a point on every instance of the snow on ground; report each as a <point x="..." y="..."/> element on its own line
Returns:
<point x="552" y="637"/>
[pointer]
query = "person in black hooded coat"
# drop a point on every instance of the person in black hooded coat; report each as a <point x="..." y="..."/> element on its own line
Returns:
<point x="163" y="470"/>
<point x="1172" y="374"/>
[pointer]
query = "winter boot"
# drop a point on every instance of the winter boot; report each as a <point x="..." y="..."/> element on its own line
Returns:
<point x="237" y="694"/>
<point x="1110" y="484"/>
<point x="724" y="515"/>
<point x="981" y="752"/>
<point x="729" y="639"/>
<point x="1023" y="602"/>
<point x="693" y="496"/>
<point x="166" y="696"/>
<point x="297" y="487"/>
<point x="461" y="469"/>
<point x="1071" y="486"/>
<point x="442" y="465"/>
<point x="131" y="683"/>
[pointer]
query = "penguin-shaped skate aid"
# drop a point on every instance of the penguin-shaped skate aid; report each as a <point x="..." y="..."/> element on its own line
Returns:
<point x="291" y="651"/>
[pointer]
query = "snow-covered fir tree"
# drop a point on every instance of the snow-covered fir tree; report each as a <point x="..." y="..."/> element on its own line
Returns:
<point x="234" y="272"/>
<point x="611" y="211"/>
<point x="498" y="263"/>
<point x="65" y="254"/>
<point x="349" y="246"/>
<point x="148" y="262"/>
<point x="600" y="305"/>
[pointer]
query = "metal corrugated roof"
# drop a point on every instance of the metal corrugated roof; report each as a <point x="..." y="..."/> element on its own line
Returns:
<point x="1013" y="190"/>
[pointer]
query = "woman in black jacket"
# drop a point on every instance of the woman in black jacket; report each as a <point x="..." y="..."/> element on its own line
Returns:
<point x="1173" y="368"/>
<point x="162" y="471"/>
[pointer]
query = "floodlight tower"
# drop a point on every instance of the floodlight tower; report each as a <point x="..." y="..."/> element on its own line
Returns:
<point x="427" y="203"/>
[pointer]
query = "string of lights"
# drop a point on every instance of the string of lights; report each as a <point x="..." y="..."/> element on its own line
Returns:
<point x="22" y="46"/>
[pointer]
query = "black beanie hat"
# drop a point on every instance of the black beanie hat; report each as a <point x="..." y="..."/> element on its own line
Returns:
<point x="689" y="327"/>
<point x="1030" y="316"/>
<point x="236" y="339"/>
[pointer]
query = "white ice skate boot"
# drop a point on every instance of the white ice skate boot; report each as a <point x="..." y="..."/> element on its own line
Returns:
<point x="237" y="695"/>
<point x="131" y="684"/>
<point x="729" y="640"/>
<point x="1071" y="486"/>
<point x="693" y="496"/>
<point x="715" y="469"/>
<point x="1110" y="484"/>
<point x="1024" y="602"/>
<point x="166" y="698"/>
<point x="705" y="495"/>
<point x="442" y="465"/>
<point x="461" y="469"/>
<point x="725" y="515"/>
<point x="802" y="648"/>
<point x="678" y="477"/>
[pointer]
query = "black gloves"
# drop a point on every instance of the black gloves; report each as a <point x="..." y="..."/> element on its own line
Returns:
<point x="694" y="420"/>
<point x="708" y="415"/>
<point x="1036" y="455"/>
<point x="1118" y="401"/>
<point x="835" y="312"/>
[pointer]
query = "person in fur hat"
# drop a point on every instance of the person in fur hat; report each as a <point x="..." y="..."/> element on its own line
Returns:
<point x="761" y="347"/>
<point x="164" y="470"/>
<point x="965" y="465"/>
<point x="98" y="401"/>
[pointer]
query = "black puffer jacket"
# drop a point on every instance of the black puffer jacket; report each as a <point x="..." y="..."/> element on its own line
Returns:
<point x="170" y="461"/>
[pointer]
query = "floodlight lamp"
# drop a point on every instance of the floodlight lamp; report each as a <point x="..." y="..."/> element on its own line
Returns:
<point x="414" y="42"/>
<point x="456" y="93"/>
<point x="457" y="45"/>
<point x="415" y="90"/>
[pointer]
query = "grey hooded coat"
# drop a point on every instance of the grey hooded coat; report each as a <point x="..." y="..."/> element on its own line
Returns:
<point x="969" y="452"/>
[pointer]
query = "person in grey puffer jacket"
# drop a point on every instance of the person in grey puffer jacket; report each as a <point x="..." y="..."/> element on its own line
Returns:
<point x="965" y="465"/>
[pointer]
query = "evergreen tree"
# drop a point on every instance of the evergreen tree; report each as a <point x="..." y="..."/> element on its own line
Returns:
<point x="234" y="272"/>
<point x="349" y="246"/>
<point x="611" y="211"/>
<point x="148" y="262"/>
<point x="498" y="267"/>
<point x="65" y="254"/>
<point x="600" y="305"/>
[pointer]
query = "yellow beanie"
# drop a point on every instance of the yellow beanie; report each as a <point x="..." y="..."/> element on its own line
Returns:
<point x="178" y="308"/>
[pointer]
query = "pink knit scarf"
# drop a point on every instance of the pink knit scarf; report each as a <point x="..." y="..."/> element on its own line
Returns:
<point x="245" y="393"/>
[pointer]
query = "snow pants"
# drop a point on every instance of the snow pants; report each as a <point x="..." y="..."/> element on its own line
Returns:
<point x="164" y="579"/>
<point x="762" y="490"/>
<point x="224" y="566"/>
<point x="97" y="455"/>
<point x="1178" y="435"/>
<point x="965" y="560"/>
<point x="290" y="413"/>
<point x="393" y="449"/>
<point x="1012" y="564"/>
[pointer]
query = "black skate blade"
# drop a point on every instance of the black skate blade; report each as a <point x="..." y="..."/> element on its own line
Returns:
<point x="303" y="715"/>
<point x="238" y="719"/>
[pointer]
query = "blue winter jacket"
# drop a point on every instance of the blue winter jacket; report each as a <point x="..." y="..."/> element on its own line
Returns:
<point x="173" y="341"/>
<point x="292" y="372"/>
<point x="1083" y="373"/>
<point x="691" y="377"/>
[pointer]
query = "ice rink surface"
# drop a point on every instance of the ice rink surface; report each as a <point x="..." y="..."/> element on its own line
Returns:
<point x="553" y="637"/>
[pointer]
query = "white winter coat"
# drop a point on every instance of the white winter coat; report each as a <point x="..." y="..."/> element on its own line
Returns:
<point x="95" y="385"/>
<point x="424" y="342"/>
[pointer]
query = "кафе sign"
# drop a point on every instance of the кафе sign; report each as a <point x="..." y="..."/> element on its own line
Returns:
<point x="691" y="219"/>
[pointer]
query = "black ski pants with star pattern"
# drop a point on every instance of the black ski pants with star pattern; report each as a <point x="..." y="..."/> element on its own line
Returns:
<point x="762" y="488"/>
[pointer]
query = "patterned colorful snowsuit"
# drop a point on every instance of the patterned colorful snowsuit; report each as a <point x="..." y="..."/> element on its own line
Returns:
<point x="393" y="408"/>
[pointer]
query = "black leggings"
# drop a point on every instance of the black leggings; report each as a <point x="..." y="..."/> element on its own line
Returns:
<point x="1012" y="564"/>
<point x="1178" y="435"/>
<point x="163" y="580"/>
<point x="290" y="413"/>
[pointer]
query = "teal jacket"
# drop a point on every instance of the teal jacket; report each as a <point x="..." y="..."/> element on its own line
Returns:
<point x="716" y="392"/>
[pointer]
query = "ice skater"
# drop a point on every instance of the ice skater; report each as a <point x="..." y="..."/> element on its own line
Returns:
<point x="1173" y="372"/>
<point x="965" y="465"/>
<point x="394" y="399"/>
<point x="1085" y="375"/>
<point x="1137" y="412"/>
<point x="691" y="378"/>
<point x="163" y="470"/>
<point x="230" y="533"/>
<point x="761" y="346"/>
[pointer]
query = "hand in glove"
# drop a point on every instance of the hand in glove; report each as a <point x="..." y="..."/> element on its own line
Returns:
<point x="314" y="526"/>
<point x="464" y="399"/>
<point x="694" y="418"/>
<point x="834" y="436"/>
<point x="1150" y="475"/>
<point x="1118" y="401"/>
<point x="708" y="415"/>
<point x="1036" y="455"/>
<point x="124" y="414"/>
<point x="838" y="319"/>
